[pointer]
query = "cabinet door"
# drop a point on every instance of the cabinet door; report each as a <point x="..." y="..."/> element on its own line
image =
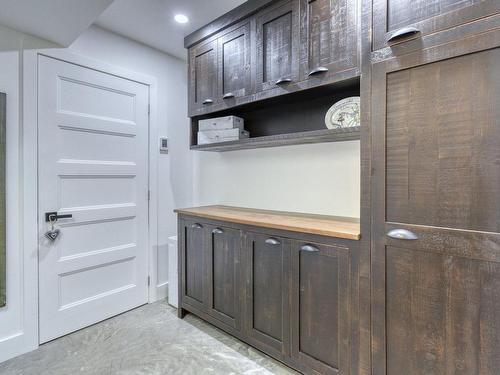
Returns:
<point x="277" y="46"/>
<point x="402" y="19"/>
<point x="194" y="265"/>
<point x="329" y="39"/>
<point x="234" y="63"/>
<point x="436" y="210"/>
<point x="267" y="298"/>
<point x="320" y="319"/>
<point x="203" y="76"/>
<point x="224" y="275"/>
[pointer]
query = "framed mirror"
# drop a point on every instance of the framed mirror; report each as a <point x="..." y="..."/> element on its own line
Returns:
<point x="3" y="260"/>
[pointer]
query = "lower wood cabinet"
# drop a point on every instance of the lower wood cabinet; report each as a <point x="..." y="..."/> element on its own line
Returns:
<point x="288" y="296"/>
<point x="320" y="307"/>
<point x="267" y="294"/>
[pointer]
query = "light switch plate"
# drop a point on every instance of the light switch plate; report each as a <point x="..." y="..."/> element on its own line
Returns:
<point x="164" y="145"/>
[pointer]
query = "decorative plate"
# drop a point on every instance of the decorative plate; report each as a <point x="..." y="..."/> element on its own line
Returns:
<point x="344" y="114"/>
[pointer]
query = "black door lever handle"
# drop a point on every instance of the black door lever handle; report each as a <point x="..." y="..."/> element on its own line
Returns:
<point x="53" y="216"/>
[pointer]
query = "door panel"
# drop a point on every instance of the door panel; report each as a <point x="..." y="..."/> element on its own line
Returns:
<point x="97" y="267"/>
<point x="234" y="62"/>
<point x="195" y="265"/>
<point x="329" y="38"/>
<point x="268" y="292"/>
<point x="203" y="75"/>
<point x="427" y="16"/>
<point x="436" y="223"/>
<point x="277" y="46"/>
<point x="320" y="307"/>
<point x="225" y="286"/>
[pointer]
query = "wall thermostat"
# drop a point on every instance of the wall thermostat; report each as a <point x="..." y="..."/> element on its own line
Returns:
<point x="164" y="145"/>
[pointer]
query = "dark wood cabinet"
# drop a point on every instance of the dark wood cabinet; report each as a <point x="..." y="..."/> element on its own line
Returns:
<point x="436" y="213"/>
<point x="203" y="76"/>
<point x="267" y="299"/>
<point x="277" y="46"/>
<point x="291" y="295"/>
<point x="328" y="39"/>
<point x="400" y="20"/>
<point x="224" y="275"/>
<point x="234" y="64"/>
<point x="194" y="264"/>
<point x="320" y="307"/>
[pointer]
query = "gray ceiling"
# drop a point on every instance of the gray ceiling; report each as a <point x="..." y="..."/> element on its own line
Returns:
<point x="152" y="21"/>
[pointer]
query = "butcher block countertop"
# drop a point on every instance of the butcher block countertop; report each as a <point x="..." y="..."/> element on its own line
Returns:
<point x="332" y="226"/>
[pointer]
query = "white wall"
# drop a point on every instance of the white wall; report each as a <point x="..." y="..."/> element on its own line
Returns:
<point x="175" y="168"/>
<point x="319" y="178"/>
<point x="19" y="321"/>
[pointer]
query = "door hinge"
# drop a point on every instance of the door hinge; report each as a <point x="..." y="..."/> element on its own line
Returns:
<point x="149" y="195"/>
<point x="149" y="109"/>
<point x="149" y="280"/>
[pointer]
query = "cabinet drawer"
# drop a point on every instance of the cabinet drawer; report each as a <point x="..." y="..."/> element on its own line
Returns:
<point x="396" y="21"/>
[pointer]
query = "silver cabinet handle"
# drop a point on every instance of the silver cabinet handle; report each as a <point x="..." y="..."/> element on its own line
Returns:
<point x="319" y="69"/>
<point x="196" y="226"/>
<point x="402" y="33"/>
<point x="402" y="234"/>
<point x="207" y="101"/>
<point x="283" y="80"/>
<point x="217" y="231"/>
<point x="272" y="241"/>
<point x="228" y="95"/>
<point x="309" y="248"/>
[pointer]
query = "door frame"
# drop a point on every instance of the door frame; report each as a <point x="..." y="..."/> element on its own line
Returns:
<point x="29" y="211"/>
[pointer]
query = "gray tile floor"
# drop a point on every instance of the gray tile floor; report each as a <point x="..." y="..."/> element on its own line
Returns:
<point x="147" y="340"/>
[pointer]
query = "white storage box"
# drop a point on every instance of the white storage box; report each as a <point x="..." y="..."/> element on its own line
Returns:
<point x="216" y="136"/>
<point x="221" y="123"/>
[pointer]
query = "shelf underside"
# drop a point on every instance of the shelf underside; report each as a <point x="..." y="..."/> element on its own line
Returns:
<point x="315" y="136"/>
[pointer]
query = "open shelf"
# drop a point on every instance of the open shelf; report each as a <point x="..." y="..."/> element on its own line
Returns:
<point x="314" y="136"/>
<point x="291" y="119"/>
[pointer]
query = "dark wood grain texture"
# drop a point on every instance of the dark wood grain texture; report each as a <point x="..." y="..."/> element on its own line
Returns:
<point x="321" y="307"/>
<point x="328" y="38"/>
<point x="427" y="16"/>
<point x="194" y="254"/>
<point x="203" y="75"/>
<point x="3" y="249"/>
<point x="435" y="159"/>
<point x="224" y="275"/>
<point x="234" y="63"/>
<point x="267" y="311"/>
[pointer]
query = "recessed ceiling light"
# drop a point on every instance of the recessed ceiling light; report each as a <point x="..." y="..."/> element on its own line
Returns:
<point x="181" y="18"/>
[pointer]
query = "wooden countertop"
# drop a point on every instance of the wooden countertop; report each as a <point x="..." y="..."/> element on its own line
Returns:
<point x="332" y="226"/>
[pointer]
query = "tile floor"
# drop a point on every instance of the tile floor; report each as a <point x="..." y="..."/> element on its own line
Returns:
<point x="148" y="340"/>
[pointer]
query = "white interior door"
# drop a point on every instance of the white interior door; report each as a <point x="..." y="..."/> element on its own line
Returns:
<point x="93" y="165"/>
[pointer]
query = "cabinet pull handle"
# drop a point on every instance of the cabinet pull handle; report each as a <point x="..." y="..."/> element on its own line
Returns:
<point x="272" y="241"/>
<point x="283" y="80"/>
<point x="402" y="234"/>
<point x="402" y="33"/>
<point x="229" y="95"/>
<point x="217" y="231"/>
<point x="196" y="226"/>
<point x="309" y="248"/>
<point x="319" y="69"/>
<point x="207" y="101"/>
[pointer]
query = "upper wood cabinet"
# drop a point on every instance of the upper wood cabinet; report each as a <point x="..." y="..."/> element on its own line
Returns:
<point x="399" y="20"/>
<point x="277" y="46"/>
<point x="234" y="64"/>
<point x="203" y="76"/>
<point x="280" y="47"/>
<point x="328" y="39"/>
